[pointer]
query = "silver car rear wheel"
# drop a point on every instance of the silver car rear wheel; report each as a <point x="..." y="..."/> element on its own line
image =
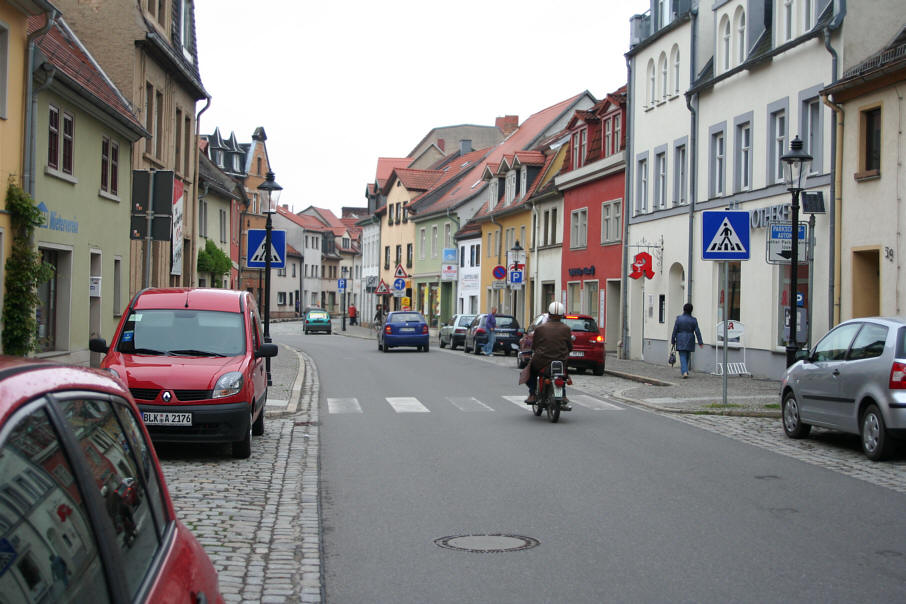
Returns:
<point x="874" y="434"/>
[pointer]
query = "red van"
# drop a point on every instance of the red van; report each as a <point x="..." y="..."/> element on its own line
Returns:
<point x="194" y="360"/>
<point x="70" y="438"/>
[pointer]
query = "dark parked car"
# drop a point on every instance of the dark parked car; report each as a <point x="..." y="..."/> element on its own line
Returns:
<point x="507" y="334"/>
<point x="316" y="320"/>
<point x="86" y="512"/>
<point x="404" y="328"/>
<point x="194" y="360"/>
<point x="588" y="343"/>
<point x="453" y="334"/>
<point x="854" y="380"/>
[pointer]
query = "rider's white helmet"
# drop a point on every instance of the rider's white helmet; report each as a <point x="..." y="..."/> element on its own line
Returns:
<point x="556" y="308"/>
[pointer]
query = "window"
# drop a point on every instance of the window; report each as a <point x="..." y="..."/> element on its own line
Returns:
<point x="679" y="175"/>
<point x="423" y="244"/>
<point x="117" y="287"/>
<point x="223" y="226"/>
<point x="188" y="135"/>
<point x="448" y="236"/>
<point x="777" y="145"/>
<point x="573" y="297"/>
<point x="281" y="297"/>
<point x="869" y="343"/>
<point x="617" y="132"/>
<point x="651" y="91"/>
<point x="675" y="62"/>
<point x="509" y="238"/>
<point x="462" y="255"/>
<point x="662" y="71"/>
<point x="34" y="473"/>
<point x="660" y="183"/>
<point x="871" y="142"/>
<point x="783" y="300"/>
<point x="510" y="186"/>
<point x="578" y="228"/>
<point x="554" y="227"/>
<point x="608" y="137"/>
<point x="386" y="256"/>
<point x="53" y="137"/>
<point x="717" y="163"/>
<point x="734" y="293"/>
<point x="68" y="134"/>
<point x="185" y="30"/>
<point x="725" y="43"/>
<point x="641" y="200"/>
<point x="399" y="213"/>
<point x="4" y="61"/>
<point x="399" y="254"/>
<point x="110" y="157"/>
<point x="591" y="298"/>
<point x="523" y="181"/>
<point x="740" y="20"/>
<point x="811" y="132"/>
<point x="409" y="253"/>
<point x="490" y="245"/>
<point x="580" y="147"/>
<point x="178" y="139"/>
<point x="149" y="119"/>
<point x="743" y="160"/>
<point x="807" y="15"/>
<point x="203" y="217"/>
<point x="492" y="194"/>
<point x="787" y="20"/>
<point x="610" y="221"/>
<point x="159" y="125"/>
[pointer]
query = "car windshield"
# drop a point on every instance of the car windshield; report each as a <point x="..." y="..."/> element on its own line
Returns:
<point x="577" y="324"/>
<point x="404" y="317"/>
<point x="183" y="331"/>
<point x="465" y="320"/>
<point x="317" y="315"/>
<point x="507" y="323"/>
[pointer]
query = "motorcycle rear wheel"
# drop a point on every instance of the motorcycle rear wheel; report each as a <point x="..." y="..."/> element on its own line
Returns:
<point x="553" y="407"/>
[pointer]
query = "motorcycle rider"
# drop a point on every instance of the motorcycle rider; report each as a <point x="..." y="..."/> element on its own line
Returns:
<point x="552" y="341"/>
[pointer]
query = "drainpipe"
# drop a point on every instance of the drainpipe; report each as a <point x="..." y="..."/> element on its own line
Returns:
<point x="196" y="151"/>
<point x="623" y="345"/>
<point x="693" y="157"/>
<point x="836" y="189"/>
<point x="535" y="298"/>
<point x="455" y="285"/>
<point x="31" y="102"/>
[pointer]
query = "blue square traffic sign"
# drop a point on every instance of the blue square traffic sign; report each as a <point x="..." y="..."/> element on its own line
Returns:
<point x="255" y="257"/>
<point x="725" y="235"/>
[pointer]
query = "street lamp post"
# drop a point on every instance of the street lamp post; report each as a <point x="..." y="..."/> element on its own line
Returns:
<point x="796" y="163"/>
<point x="271" y="192"/>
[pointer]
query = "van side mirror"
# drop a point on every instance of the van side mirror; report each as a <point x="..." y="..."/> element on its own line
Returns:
<point x="266" y="350"/>
<point x="98" y="345"/>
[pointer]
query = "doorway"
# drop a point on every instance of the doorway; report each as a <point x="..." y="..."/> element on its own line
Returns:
<point x="866" y="283"/>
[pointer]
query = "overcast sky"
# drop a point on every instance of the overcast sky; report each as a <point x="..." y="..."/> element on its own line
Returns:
<point x="338" y="84"/>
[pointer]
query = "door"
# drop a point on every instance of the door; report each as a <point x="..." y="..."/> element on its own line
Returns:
<point x="819" y="378"/>
<point x="866" y="363"/>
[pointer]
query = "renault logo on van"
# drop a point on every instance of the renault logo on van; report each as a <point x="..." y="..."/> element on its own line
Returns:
<point x="167" y="396"/>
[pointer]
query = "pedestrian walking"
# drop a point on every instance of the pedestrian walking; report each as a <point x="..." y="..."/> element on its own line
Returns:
<point x="685" y="332"/>
<point x="353" y="315"/>
<point x="491" y="325"/>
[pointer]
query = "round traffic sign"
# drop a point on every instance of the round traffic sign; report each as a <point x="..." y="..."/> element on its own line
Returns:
<point x="499" y="272"/>
<point x="399" y="283"/>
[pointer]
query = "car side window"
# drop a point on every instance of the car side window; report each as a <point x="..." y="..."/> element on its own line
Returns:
<point x="48" y="552"/>
<point x="869" y="343"/>
<point x="141" y="451"/>
<point x="834" y="345"/>
<point x="116" y="475"/>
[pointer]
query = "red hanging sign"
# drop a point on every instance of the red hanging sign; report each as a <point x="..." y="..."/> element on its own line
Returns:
<point x="641" y="265"/>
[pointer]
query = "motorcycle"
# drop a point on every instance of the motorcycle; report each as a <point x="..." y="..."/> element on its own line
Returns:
<point x="550" y="392"/>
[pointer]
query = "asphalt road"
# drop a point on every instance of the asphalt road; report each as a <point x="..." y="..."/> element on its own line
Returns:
<point x="625" y="505"/>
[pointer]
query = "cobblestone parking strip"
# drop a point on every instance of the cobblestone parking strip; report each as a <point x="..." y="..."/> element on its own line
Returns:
<point x="257" y="518"/>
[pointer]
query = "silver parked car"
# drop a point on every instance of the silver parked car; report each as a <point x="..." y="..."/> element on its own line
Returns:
<point x="454" y="332"/>
<point x="854" y="380"/>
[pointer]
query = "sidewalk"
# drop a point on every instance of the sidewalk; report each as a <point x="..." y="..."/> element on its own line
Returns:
<point x="658" y="386"/>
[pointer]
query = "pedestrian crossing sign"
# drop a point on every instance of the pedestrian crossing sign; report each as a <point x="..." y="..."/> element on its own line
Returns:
<point x="257" y="258"/>
<point x="725" y="235"/>
<point x="382" y="289"/>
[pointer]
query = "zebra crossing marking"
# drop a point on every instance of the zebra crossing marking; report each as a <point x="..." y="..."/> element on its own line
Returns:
<point x="406" y="404"/>
<point x="468" y="403"/>
<point x="519" y="401"/>
<point x="343" y="405"/>
<point x="590" y="402"/>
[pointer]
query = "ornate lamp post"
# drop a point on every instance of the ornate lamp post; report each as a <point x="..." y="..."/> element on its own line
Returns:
<point x="796" y="163"/>
<point x="270" y="190"/>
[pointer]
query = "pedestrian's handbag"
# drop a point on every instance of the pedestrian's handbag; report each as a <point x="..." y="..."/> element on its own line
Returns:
<point x="671" y="360"/>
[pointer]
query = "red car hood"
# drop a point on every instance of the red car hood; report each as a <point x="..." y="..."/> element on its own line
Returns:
<point x="181" y="373"/>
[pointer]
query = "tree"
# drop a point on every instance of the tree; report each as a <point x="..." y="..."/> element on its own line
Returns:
<point x="25" y="270"/>
<point x="213" y="261"/>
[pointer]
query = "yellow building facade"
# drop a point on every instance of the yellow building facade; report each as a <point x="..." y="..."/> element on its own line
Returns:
<point x="499" y="233"/>
<point x="397" y="241"/>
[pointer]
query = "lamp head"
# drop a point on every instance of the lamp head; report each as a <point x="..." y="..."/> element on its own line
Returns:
<point x="796" y="164"/>
<point x="271" y="191"/>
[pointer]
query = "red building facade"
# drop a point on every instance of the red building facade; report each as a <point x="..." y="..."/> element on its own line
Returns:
<point x="593" y="183"/>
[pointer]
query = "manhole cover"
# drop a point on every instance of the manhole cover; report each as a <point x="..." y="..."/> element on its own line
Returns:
<point x="487" y="544"/>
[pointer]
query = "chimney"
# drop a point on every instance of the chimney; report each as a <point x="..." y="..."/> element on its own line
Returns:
<point x="465" y="146"/>
<point x="507" y="124"/>
<point x="441" y="144"/>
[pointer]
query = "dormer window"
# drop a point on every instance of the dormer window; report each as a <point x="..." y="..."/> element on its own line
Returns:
<point x="492" y="193"/>
<point x="236" y="163"/>
<point x="510" y="189"/>
<point x="185" y="27"/>
<point x="580" y="147"/>
<point x="523" y="181"/>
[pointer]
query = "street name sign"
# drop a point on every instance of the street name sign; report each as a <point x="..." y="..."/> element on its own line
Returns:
<point x="779" y="249"/>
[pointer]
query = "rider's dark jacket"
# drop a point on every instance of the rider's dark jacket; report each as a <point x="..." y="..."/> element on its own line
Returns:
<point x="551" y="341"/>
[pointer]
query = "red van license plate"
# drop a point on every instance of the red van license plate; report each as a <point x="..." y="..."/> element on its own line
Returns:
<point x="166" y="419"/>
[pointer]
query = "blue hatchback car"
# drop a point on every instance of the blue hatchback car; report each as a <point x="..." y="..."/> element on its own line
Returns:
<point x="404" y="328"/>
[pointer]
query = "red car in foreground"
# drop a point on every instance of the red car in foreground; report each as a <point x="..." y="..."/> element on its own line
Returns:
<point x="70" y="438"/>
